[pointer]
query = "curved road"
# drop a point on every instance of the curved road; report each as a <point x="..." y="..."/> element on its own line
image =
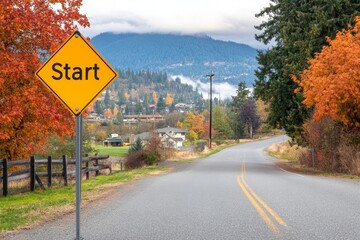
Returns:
<point x="237" y="193"/>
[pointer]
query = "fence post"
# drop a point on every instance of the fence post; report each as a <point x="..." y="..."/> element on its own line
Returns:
<point x="87" y="168"/>
<point x="49" y="171"/>
<point x="97" y="164"/>
<point x="64" y="160"/>
<point x="5" y="178"/>
<point x="32" y="173"/>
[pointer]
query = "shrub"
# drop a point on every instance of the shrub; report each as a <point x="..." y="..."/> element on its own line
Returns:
<point x="137" y="146"/>
<point x="200" y="146"/>
<point x="324" y="135"/>
<point x="349" y="159"/>
<point x="135" y="160"/>
<point x="219" y="141"/>
<point x="336" y="147"/>
<point x="167" y="153"/>
<point x="139" y="156"/>
<point x="152" y="158"/>
<point x="153" y="150"/>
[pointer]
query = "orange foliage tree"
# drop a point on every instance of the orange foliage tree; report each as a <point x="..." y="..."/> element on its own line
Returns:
<point x="108" y="113"/>
<point x="195" y="123"/>
<point x="332" y="82"/>
<point x="198" y="126"/>
<point x="29" y="32"/>
<point x="168" y="100"/>
<point x="115" y="111"/>
<point x="154" y="96"/>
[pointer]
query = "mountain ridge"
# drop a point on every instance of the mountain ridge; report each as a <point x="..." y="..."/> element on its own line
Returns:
<point x="190" y="55"/>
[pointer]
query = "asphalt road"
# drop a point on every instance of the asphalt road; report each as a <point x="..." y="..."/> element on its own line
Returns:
<point x="237" y="193"/>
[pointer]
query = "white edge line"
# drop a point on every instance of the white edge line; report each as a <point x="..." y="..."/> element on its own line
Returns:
<point x="291" y="172"/>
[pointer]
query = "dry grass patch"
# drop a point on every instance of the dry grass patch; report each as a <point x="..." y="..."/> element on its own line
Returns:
<point x="284" y="151"/>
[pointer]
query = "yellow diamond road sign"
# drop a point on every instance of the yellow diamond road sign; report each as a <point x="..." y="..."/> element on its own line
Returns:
<point x="76" y="73"/>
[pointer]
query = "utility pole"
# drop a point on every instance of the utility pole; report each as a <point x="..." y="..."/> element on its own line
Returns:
<point x="211" y="75"/>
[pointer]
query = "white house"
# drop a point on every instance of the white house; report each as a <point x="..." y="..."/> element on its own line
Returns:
<point x="170" y="137"/>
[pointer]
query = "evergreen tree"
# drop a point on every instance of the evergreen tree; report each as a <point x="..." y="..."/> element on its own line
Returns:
<point x="137" y="146"/>
<point x="127" y="110"/>
<point x="99" y="107"/>
<point x="138" y="108"/>
<point x="146" y="104"/>
<point x="242" y="97"/>
<point x="160" y="105"/>
<point x="122" y="98"/>
<point x="298" y="29"/>
<point x="118" y="118"/>
<point x="107" y="100"/>
<point x="172" y="107"/>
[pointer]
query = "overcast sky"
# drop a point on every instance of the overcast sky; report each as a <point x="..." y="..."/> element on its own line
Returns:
<point x="231" y="20"/>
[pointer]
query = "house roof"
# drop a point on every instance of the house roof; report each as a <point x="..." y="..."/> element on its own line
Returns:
<point x="114" y="140"/>
<point x="144" y="135"/>
<point x="171" y="129"/>
<point x="147" y="135"/>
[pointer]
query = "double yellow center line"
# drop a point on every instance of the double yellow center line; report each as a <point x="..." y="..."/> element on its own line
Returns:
<point x="260" y="206"/>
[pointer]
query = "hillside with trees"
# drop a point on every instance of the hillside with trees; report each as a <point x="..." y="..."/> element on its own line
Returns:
<point x="146" y="92"/>
<point x="190" y="55"/>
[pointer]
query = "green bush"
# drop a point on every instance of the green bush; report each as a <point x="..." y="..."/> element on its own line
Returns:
<point x="219" y="141"/>
<point x="138" y="156"/>
<point x="137" y="146"/>
<point x="152" y="158"/>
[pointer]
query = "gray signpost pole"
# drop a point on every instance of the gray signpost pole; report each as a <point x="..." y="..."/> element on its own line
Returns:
<point x="78" y="172"/>
<point x="76" y="44"/>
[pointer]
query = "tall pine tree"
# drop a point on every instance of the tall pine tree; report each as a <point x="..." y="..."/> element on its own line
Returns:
<point x="297" y="29"/>
<point x="242" y="96"/>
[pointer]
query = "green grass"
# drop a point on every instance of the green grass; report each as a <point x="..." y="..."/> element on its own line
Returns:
<point x="112" y="151"/>
<point x="20" y="210"/>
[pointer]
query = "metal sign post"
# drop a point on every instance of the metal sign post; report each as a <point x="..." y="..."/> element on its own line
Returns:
<point x="76" y="65"/>
<point x="78" y="172"/>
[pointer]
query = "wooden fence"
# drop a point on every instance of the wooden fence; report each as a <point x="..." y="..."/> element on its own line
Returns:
<point x="89" y="164"/>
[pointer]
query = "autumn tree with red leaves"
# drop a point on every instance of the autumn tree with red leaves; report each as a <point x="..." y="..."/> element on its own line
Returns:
<point x="29" y="32"/>
<point x="332" y="82"/>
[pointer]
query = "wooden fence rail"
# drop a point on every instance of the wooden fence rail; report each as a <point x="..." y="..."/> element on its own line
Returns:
<point x="29" y="170"/>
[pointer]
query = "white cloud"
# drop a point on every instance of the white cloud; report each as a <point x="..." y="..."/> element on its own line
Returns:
<point x="222" y="19"/>
<point x="220" y="90"/>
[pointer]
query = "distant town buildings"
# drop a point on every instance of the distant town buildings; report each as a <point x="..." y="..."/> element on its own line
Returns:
<point x="170" y="138"/>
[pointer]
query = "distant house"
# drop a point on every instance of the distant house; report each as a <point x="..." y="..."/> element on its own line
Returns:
<point x="143" y="118"/>
<point x="93" y="117"/>
<point x="170" y="137"/>
<point x="114" y="140"/>
<point x="128" y="139"/>
<point x="145" y="136"/>
<point x="183" y="107"/>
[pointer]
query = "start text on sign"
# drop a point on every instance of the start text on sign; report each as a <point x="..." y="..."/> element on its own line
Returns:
<point x="74" y="73"/>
